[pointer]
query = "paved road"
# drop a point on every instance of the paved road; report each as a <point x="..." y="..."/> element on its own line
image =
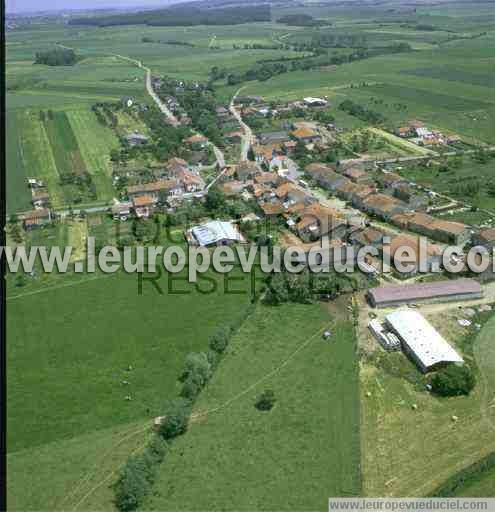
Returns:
<point x="220" y="157"/>
<point x="428" y="157"/>
<point x="248" y="137"/>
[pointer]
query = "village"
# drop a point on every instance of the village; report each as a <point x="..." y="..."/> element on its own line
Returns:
<point x="307" y="182"/>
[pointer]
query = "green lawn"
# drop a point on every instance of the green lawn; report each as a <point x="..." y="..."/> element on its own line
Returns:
<point x="73" y="358"/>
<point x="294" y="457"/>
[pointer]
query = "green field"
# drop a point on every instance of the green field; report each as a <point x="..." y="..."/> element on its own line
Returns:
<point x="68" y="143"/>
<point x="95" y="143"/>
<point x="291" y="458"/>
<point x="18" y="196"/>
<point x="456" y="179"/>
<point x="74" y="361"/>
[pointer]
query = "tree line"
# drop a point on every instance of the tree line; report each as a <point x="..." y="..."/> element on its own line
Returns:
<point x="363" y="113"/>
<point x="183" y="16"/>
<point x="136" y="479"/>
<point x="57" y="57"/>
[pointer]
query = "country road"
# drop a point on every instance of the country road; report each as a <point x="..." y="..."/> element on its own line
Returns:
<point x="248" y="136"/>
<point x="219" y="155"/>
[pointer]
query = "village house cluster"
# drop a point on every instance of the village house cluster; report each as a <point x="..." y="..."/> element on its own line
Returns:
<point x="420" y="134"/>
<point x="40" y="199"/>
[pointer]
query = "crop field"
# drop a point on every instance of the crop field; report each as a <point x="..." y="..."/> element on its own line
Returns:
<point x="398" y="438"/>
<point x="64" y="146"/>
<point x="232" y="450"/>
<point x="52" y="145"/>
<point x="95" y="143"/>
<point x="37" y="154"/>
<point x="18" y="196"/>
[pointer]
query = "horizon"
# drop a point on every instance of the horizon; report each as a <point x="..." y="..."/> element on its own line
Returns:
<point x="33" y="6"/>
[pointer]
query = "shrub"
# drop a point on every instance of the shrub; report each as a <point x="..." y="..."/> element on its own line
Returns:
<point x="220" y="340"/>
<point x="197" y="367"/>
<point x="453" y="381"/>
<point x="176" y="418"/>
<point x="266" y="401"/>
<point x="138" y="475"/>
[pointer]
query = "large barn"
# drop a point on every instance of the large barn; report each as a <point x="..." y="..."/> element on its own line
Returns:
<point x="441" y="291"/>
<point x="214" y="233"/>
<point x="421" y="341"/>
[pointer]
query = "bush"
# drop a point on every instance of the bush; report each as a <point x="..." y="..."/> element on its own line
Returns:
<point x="138" y="475"/>
<point x="57" y="57"/>
<point x="176" y="418"/>
<point x="266" y="401"/>
<point x="453" y="381"/>
<point x="220" y="340"/>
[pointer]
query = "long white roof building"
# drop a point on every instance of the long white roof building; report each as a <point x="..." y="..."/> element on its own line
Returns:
<point x="421" y="340"/>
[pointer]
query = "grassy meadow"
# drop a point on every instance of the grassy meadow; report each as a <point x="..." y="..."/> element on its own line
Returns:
<point x="74" y="362"/>
<point x="293" y="457"/>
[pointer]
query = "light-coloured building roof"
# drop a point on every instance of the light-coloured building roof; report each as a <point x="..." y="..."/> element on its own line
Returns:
<point x="422" y="339"/>
<point x="310" y="100"/>
<point x="418" y="292"/>
<point x="216" y="231"/>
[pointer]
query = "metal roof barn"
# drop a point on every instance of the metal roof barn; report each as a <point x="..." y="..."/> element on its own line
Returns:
<point x="450" y="290"/>
<point x="216" y="232"/>
<point x="421" y="341"/>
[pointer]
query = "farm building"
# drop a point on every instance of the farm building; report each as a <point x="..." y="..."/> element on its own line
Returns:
<point x="306" y="135"/>
<point x="441" y="291"/>
<point x="274" y="137"/>
<point x="40" y="198"/>
<point x="383" y="206"/>
<point x="122" y="211"/>
<point x="144" y="205"/>
<point x="421" y="341"/>
<point x="171" y="188"/>
<point x="357" y="175"/>
<point x="317" y="221"/>
<point x="315" y="102"/>
<point x="36" y="218"/>
<point x="387" y="340"/>
<point x="136" y="139"/>
<point x="214" y="233"/>
<point x="325" y="176"/>
<point x="444" y="231"/>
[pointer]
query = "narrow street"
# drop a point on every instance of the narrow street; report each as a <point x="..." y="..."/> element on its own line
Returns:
<point x="248" y="136"/>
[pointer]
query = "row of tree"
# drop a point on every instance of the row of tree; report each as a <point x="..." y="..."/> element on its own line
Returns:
<point x="57" y="57"/>
<point x="363" y="113"/>
<point x="136" y="479"/>
<point x="182" y="16"/>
